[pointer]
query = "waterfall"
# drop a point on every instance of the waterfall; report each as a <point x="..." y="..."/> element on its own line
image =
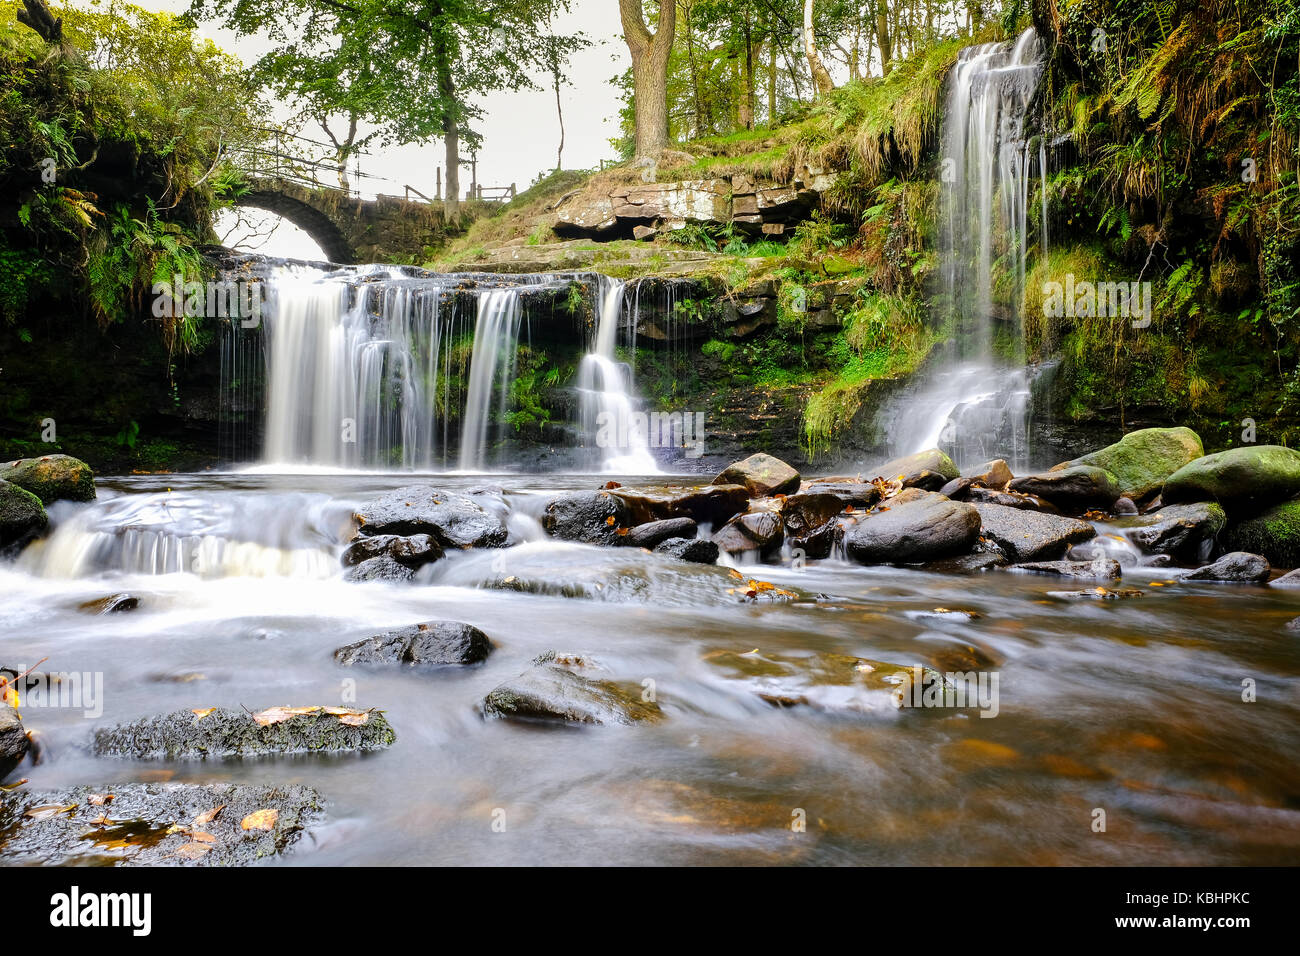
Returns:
<point x="976" y="405"/>
<point x="609" y="414"/>
<point x="496" y="345"/>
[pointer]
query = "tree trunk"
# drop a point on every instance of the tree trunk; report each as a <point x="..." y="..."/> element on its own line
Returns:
<point x="821" y="77"/>
<point x="559" y="111"/>
<point x="450" y="128"/>
<point x="882" y="35"/>
<point x="649" y="72"/>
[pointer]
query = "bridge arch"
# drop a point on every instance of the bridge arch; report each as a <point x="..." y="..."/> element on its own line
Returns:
<point x="294" y="203"/>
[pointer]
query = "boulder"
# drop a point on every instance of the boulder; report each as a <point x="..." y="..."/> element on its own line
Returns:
<point x="1099" y="569"/>
<point x="1275" y="534"/>
<point x="697" y="551"/>
<point x="413" y="551"/>
<point x="1030" y="535"/>
<point x="859" y="494"/>
<point x="1074" y="489"/>
<point x="1183" y="531"/>
<point x="1142" y="460"/>
<point x="757" y="531"/>
<point x="994" y="474"/>
<point x="911" y="527"/>
<point x="1289" y="580"/>
<point x="453" y="520"/>
<point x="554" y="690"/>
<point x="1234" y="566"/>
<point x="197" y="735"/>
<point x="51" y="478"/>
<point x="112" y="604"/>
<point x="761" y="475"/>
<point x="590" y="517"/>
<point x="382" y="568"/>
<point x="810" y="522"/>
<point x="1245" y="479"/>
<point x="653" y="533"/>
<point x="1009" y="499"/>
<point x="14" y="742"/>
<point x="957" y="489"/>
<point x="431" y="644"/>
<point x="156" y="824"/>
<point x="929" y="470"/>
<point x="705" y="504"/>
<point x="22" y="517"/>
<point x="1124" y="506"/>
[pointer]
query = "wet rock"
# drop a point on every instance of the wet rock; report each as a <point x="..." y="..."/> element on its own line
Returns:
<point x="757" y="531"/>
<point x="914" y="526"/>
<point x="453" y="520"/>
<point x="1124" y="506"/>
<point x="22" y="517"/>
<point x="1030" y="535"/>
<point x="1293" y="624"/>
<point x="994" y="475"/>
<point x="113" y="604"/>
<point x="185" y="735"/>
<point x="957" y="489"/>
<point x="761" y="475"/>
<point x="697" y="551"/>
<point x="1009" y="499"/>
<point x="14" y="743"/>
<point x="431" y="644"/>
<point x="1241" y="479"/>
<point x="1289" y="580"/>
<point x="1240" y="566"/>
<point x="705" y="504"/>
<point x="810" y="522"/>
<point x="51" y="478"/>
<point x="1075" y="489"/>
<point x="974" y="563"/>
<point x="1100" y="569"/>
<point x="589" y="517"/>
<point x="382" y="568"/>
<point x="1142" y="460"/>
<point x="1096" y="594"/>
<point x="859" y="494"/>
<point x="553" y="690"/>
<point x="1183" y="531"/>
<point x="653" y="533"/>
<point x="413" y="551"/>
<point x="159" y="824"/>
<point x="1275" y="534"/>
<point x="929" y="470"/>
<point x="836" y="683"/>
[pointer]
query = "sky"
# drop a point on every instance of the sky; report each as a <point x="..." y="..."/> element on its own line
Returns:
<point x="520" y="130"/>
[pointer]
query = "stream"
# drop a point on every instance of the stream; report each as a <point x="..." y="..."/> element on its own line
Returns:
<point x="1132" y="706"/>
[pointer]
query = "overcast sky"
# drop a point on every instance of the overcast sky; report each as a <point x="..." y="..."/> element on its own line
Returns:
<point x="520" y="130"/>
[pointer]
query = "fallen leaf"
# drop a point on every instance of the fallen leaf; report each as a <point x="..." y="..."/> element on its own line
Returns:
<point x="275" y="715"/>
<point x="192" y="851"/>
<point x="207" y="816"/>
<point x="609" y="520"/>
<point x="351" y="718"/>
<point x="200" y="836"/>
<point x="200" y="713"/>
<point x="49" y="810"/>
<point x="260" y="820"/>
<point x="100" y="799"/>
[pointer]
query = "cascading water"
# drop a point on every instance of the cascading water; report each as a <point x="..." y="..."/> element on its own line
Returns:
<point x="976" y="405"/>
<point x="496" y="346"/>
<point x="604" y="383"/>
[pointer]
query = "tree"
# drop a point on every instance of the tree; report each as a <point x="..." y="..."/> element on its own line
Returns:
<point x="821" y="77"/>
<point x="649" y="72"/>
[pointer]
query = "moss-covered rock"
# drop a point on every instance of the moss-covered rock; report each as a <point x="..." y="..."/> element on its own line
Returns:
<point x="196" y="735"/>
<point x="1275" y="534"/>
<point x="1142" y="460"/>
<point x="555" y="690"/>
<point x="52" y="478"/>
<point x="761" y="475"/>
<point x="22" y="517"/>
<point x="1241" y="479"/>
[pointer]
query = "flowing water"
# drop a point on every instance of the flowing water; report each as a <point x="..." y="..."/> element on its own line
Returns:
<point x="1132" y="706"/>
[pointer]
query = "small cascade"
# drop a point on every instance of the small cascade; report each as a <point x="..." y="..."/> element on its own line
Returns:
<point x="609" y="418"/>
<point x="492" y="369"/>
<point x="976" y="404"/>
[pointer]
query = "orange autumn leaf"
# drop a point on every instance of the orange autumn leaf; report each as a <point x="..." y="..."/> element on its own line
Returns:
<point x="260" y="820"/>
<point x="275" y="715"/>
<point x="207" y="816"/>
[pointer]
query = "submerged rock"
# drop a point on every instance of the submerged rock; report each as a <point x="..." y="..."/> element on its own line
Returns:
<point x="1030" y="535"/>
<point x="760" y="532"/>
<point x="552" y="690"/>
<point x="157" y="824"/>
<point x="911" y="527"/>
<point x="1241" y="479"/>
<point x="14" y="743"/>
<point x="413" y="551"/>
<point x="382" y="568"/>
<point x="974" y="563"/>
<point x="761" y="475"/>
<point x="589" y="517"/>
<point x="220" y="733"/>
<point x="697" y="550"/>
<point x="431" y="644"/>
<point x="1184" y="531"/>
<point x="1235" y="566"/>
<point x="1100" y="569"/>
<point x="22" y="517"/>
<point x="1142" y="460"/>
<point x="653" y="533"/>
<point x="1073" y="489"/>
<point x="928" y="470"/>
<point x="705" y="504"/>
<point x="113" y="604"/>
<point x="453" y="520"/>
<point x="52" y="478"/>
<point x="1275" y="534"/>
